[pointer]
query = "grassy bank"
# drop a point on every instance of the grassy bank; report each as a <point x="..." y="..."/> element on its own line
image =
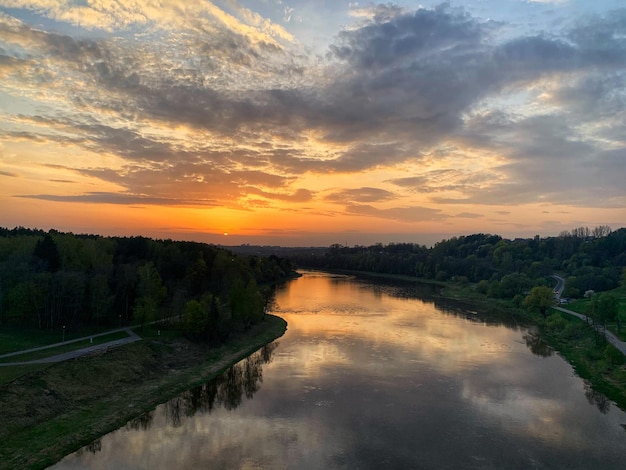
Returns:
<point x="596" y="361"/>
<point x="57" y="409"/>
<point x="63" y="348"/>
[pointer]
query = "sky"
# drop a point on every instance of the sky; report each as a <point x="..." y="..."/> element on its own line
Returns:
<point x="312" y="122"/>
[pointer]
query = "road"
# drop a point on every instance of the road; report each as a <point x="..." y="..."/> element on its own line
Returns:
<point x="611" y="338"/>
<point x="560" y="285"/>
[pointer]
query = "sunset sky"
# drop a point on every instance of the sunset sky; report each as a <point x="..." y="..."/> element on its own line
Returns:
<point x="311" y="122"/>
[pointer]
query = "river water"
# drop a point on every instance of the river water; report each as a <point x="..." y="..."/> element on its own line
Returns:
<point x="374" y="375"/>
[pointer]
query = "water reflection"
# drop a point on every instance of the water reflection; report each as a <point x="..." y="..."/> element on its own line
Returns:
<point x="226" y="391"/>
<point x="368" y="376"/>
<point x="596" y="398"/>
<point x="537" y="345"/>
<point x="141" y="422"/>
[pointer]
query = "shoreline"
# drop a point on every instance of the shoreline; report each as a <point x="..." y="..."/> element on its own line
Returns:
<point x="53" y="412"/>
<point x="579" y="349"/>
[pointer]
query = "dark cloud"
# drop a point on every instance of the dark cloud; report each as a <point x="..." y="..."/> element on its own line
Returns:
<point x="360" y="195"/>
<point x="593" y="97"/>
<point x="393" y="38"/>
<point x="602" y="39"/>
<point x="120" y="198"/>
<point x="424" y="183"/>
<point x="530" y="57"/>
<point x="300" y="195"/>
<point x="445" y="180"/>
<point x="403" y="214"/>
<point x="546" y="160"/>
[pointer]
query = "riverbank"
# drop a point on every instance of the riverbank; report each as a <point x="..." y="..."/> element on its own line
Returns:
<point x="597" y="362"/>
<point x="51" y="412"/>
<point x="594" y="360"/>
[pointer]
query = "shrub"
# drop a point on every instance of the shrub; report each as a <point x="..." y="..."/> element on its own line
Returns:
<point x="613" y="355"/>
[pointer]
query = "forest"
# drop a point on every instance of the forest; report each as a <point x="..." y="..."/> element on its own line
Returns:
<point x="589" y="260"/>
<point x="50" y="280"/>
<point x="54" y="279"/>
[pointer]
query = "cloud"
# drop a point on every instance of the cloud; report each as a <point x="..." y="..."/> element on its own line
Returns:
<point x="402" y="214"/>
<point x="201" y="104"/>
<point x="360" y="195"/>
<point x="119" y="198"/>
<point x="300" y="195"/>
<point x="546" y="159"/>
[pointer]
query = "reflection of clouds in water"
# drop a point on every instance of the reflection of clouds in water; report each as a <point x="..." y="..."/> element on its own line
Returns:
<point x="521" y="413"/>
<point x="222" y="440"/>
<point x="530" y="401"/>
<point x="398" y="388"/>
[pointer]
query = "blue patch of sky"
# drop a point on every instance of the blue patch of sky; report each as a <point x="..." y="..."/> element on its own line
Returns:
<point x="50" y="25"/>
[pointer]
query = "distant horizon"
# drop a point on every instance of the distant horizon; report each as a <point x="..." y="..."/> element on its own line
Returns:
<point x="427" y="240"/>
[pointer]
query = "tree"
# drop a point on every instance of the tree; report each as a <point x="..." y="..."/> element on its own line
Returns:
<point x="540" y="298"/>
<point x="196" y="319"/>
<point x="604" y="308"/>
<point x="46" y="250"/>
<point x="151" y="293"/>
<point x="247" y="303"/>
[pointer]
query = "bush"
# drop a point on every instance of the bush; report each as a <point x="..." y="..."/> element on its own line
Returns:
<point x="556" y="324"/>
<point x="575" y="330"/>
<point x="482" y="287"/>
<point x="613" y="355"/>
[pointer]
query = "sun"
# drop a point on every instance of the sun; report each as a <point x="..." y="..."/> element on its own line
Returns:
<point x="225" y="234"/>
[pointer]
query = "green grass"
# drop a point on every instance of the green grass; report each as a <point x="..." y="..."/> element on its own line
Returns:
<point x="596" y="361"/>
<point x="16" y="339"/>
<point x="581" y="306"/>
<point x="54" y="410"/>
<point x="10" y="373"/>
<point x="63" y="348"/>
<point x="164" y="332"/>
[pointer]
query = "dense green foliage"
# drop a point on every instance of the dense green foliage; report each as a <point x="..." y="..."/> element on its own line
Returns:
<point x="540" y="298"/>
<point x="501" y="268"/>
<point x="51" y="279"/>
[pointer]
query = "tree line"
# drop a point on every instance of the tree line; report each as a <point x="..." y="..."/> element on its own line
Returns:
<point x="54" y="279"/>
<point x="589" y="259"/>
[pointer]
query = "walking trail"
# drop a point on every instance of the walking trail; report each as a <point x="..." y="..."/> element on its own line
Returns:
<point x="611" y="338"/>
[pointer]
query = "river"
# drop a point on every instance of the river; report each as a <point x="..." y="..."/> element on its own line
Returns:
<point x="374" y="375"/>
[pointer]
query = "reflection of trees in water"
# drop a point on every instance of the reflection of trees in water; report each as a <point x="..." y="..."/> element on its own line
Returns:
<point x="489" y="316"/>
<point x="173" y="410"/>
<point x="141" y="422"/>
<point x="227" y="390"/>
<point x="596" y="398"/>
<point x="430" y="294"/>
<point x="94" y="447"/>
<point x="537" y="345"/>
